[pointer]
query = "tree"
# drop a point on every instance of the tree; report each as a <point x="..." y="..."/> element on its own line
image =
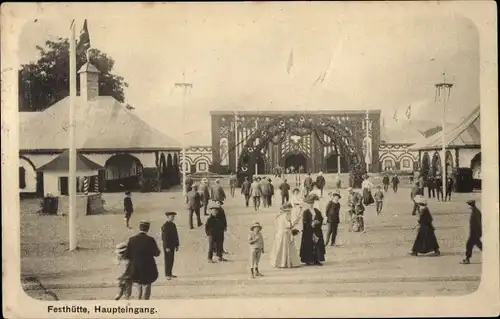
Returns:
<point x="45" y="82"/>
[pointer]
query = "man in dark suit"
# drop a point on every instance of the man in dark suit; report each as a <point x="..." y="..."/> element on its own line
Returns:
<point x="128" y="208"/>
<point x="245" y="191"/>
<point x="170" y="239"/>
<point x="438" y="181"/>
<point x="449" y="188"/>
<point x="194" y="205"/>
<point x="205" y="194"/>
<point x="285" y="192"/>
<point x="141" y="251"/>
<point x="476" y="231"/>
<point x="395" y="183"/>
<point x="431" y="186"/>
<point x="332" y="217"/>
<point x="308" y="184"/>
<point x="214" y="228"/>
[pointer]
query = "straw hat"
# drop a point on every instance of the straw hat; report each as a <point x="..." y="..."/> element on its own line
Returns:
<point x="471" y="203"/>
<point x="286" y="206"/>
<point x="170" y="213"/>
<point x="256" y="224"/>
<point x="121" y="248"/>
<point x="349" y="189"/>
<point x="335" y="194"/>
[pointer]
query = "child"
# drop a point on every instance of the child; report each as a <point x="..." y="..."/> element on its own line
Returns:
<point x="256" y="242"/>
<point x="379" y="199"/>
<point x="128" y="208"/>
<point x="332" y="217"/>
<point x="124" y="282"/>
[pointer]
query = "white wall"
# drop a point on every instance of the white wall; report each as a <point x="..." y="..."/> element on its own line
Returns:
<point x="30" y="176"/>
<point x="51" y="181"/>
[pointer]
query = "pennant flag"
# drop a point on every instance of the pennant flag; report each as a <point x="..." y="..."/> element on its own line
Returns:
<point x="394" y="116"/>
<point x="83" y="43"/>
<point x="408" y="112"/>
<point x="290" y="62"/>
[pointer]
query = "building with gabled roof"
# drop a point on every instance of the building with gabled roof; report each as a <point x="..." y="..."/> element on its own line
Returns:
<point x="106" y="132"/>
<point x="463" y="147"/>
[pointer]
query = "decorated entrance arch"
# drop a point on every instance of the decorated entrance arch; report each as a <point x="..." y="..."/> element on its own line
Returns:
<point x="291" y="138"/>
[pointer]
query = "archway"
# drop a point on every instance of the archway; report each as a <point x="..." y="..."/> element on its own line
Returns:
<point x="426" y="164"/>
<point x="28" y="182"/>
<point x="177" y="175"/>
<point x="475" y="165"/>
<point x="122" y="173"/>
<point x="436" y="165"/>
<point x="274" y="130"/>
<point x="296" y="160"/>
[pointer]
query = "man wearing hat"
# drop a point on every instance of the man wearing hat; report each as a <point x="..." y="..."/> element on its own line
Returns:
<point x="395" y="183"/>
<point x="475" y="233"/>
<point x="416" y="190"/>
<point x="308" y="184"/>
<point x="245" y="190"/>
<point x="194" y="205"/>
<point x="214" y="228"/>
<point x="218" y="192"/>
<point x="439" y="187"/>
<point x="141" y="251"/>
<point x="332" y="217"/>
<point x="221" y="215"/>
<point x="255" y="193"/>
<point x="128" y="208"/>
<point x="205" y="194"/>
<point x="170" y="239"/>
<point x="189" y="184"/>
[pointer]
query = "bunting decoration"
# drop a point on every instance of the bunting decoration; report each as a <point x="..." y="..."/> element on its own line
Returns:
<point x="408" y="112"/>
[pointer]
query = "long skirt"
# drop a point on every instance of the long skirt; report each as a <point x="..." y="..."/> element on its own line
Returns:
<point x="426" y="240"/>
<point x="367" y="197"/>
<point x="284" y="254"/>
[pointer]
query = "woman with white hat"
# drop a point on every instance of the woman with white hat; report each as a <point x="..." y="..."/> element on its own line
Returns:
<point x="426" y="238"/>
<point x="284" y="253"/>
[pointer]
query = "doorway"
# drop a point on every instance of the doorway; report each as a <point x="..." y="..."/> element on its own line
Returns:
<point x="296" y="161"/>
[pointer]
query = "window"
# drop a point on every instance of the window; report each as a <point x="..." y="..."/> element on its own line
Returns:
<point x="186" y="166"/>
<point x="202" y="166"/>
<point x="406" y="163"/>
<point x="22" y="177"/>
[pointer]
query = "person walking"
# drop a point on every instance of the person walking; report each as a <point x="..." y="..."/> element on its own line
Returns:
<point x="266" y="192"/>
<point x="221" y="215"/>
<point x="385" y="182"/>
<point x="416" y="190"/>
<point x="205" y="194"/>
<point x="312" y="247"/>
<point x="439" y="187"/>
<point x="449" y="188"/>
<point x="320" y="183"/>
<point x="218" y="192"/>
<point x="233" y="181"/>
<point x="366" y="188"/>
<point x="338" y="182"/>
<point x="475" y="233"/>
<point x="308" y="184"/>
<point x="332" y="212"/>
<point x="431" y="187"/>
<point x="245" y="190"/>
<point x="426" y="238"/>
<point x="194" y="206"/>
<point x="271" y="186"/>
<point x="395" y="183"/>
<point x="214" y="230"/>
<point x="255" y="193"/>
<point x="285" y="192"/>
<point x="379" y="200"/>
<point x="284" y="253"/>
<point x="128" y="208"/>
<point x="189" y="184"/>
<point x="141" y="251"/>
<point x="256" y="243"/>
<point x="170" y="239"/>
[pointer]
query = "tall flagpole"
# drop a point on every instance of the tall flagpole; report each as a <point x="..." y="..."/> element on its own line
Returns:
<point x="443" y="91"/>
<point x="236" y="142"/>
<point x="185" y="87"/>
<point x="72" y="149"/>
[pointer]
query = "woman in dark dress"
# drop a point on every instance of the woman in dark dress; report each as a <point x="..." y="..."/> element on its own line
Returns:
<point x="426" y="238"/>
<point x="312" y="246"/>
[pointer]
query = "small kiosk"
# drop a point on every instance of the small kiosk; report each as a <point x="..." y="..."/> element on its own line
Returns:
<point x="88" y="199"/>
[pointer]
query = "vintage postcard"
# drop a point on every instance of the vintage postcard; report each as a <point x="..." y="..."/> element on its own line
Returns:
<point x="250" y="159"/>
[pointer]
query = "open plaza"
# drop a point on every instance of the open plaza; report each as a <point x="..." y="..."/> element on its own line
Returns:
<point x="373" y="263"/>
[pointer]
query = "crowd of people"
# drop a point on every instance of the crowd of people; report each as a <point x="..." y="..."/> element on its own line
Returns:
<point x="298" y="222"/>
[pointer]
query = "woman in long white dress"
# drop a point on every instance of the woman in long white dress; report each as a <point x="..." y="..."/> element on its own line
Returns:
<point x="284" y="253"/>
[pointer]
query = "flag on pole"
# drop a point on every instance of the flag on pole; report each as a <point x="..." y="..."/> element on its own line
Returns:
<point x="408" y="112"/>
<point x="290" y="62"/>
<point x="83" y="43"/>
<point x="394" y="116"/>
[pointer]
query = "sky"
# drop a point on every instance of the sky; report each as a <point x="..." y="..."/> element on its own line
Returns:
<point x="236" y="57"/>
